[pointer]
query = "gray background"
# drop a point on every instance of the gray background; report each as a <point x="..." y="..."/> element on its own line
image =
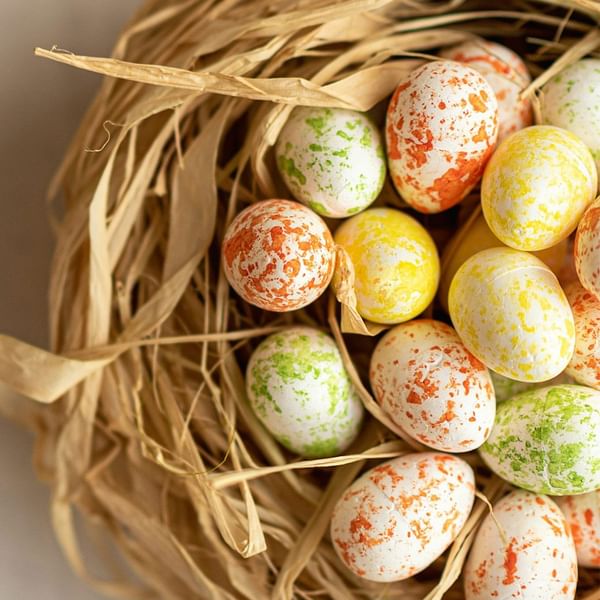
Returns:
<point x="41" y="104"/>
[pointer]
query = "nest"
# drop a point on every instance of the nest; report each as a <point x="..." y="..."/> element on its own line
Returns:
<point x="150" y="445"/>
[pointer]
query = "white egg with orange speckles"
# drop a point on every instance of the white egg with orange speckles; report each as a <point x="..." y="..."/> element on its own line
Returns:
<point x="585" y="364"/>
<point x="433" y="387"/>
<point x="510" y="311"/>
<point x="331" y="159"/>
<point x="536" y="187"/>
<point x="535" y="560"/>
<point x="587" y="249"/>
<point x="506" y="73"/>
<point x="583" y="516"/>
<point x="442" y="125"/>
<point x="398" y="517"/>
<point x="278" y="255"/>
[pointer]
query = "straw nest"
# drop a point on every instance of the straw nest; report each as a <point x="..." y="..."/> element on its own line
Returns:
<point x="150" y="445"/>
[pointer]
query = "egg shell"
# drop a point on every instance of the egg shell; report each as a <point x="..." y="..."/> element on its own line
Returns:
<point x="441" y="127"/>
<point x="507" y="75"/>
<point x="535" y="561"/>
<point x="398" y="517"/>
<point x="548" y="440"/>
<point x="278" y="255"/>
<point x="583" y="516"/>
<point x="536" y="187"/>
<point x="395" y="261"/>
<point x="505" y="388"/>
<point x="570" y="100"/>
<point x="585" y="364"/>
<point x="474" y="236"/>
<point x="587" y="249"/>
<point x="331" y="159"/>
<point x="432" y="386"/>
<point x="511" y="313"/>
<point x="299" y="388"/>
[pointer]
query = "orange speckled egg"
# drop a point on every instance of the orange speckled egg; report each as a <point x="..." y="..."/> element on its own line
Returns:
<point x="587" y="249"/>
<point x="398" y="517"/>
<point x="584" y="367"/>
<point x="536" y="187"/>
<point x="442" y="125"/>
<point x="583" y="516"/>
<point x="534" y="560"/>
<point x="278" y="255"/>
<point x="433" y="387"/>
<point x="507" y="75"/>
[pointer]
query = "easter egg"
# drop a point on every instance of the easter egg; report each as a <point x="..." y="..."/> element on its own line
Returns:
<point x="299" y="388"/>
<point x="536" y="187"/>
<point x="331" y="159"/>
<point x="395" y="262"/>
<point x="528" y="553"/>
<point x="511" y="313"/>
<point x="441" y="127"/>
<point x="585" y="364"/>
<point x="398" y="517"/>
<point x="548" y="440"/>
<point x="587" y="249"/>
<point x="570" y="100"/>
<point x="278" y="255"/>
<point x="474" y="236"/>
<point x="507" y="75"/>
<point x="583" y="516"/>
<point x="432" y="386"/>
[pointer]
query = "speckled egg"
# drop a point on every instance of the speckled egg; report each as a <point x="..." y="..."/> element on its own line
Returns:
<point x="474" y="236"/>
<point x="432" y="386"/>
<point x="511" y="313"/>
<point x="299" y="388"/>
<point x="535" y="560"/>
<point x="505" y="388"/>
<point x="331" y="160"/>
<point x="507" y="75"/>
<point x="536" y="187"/>
<point x="442" y="125"/>
<point x="548" y="440"/>
<point x="395" y="261"/>
<point x="570" y="100"/>
<point x="278" y="255"/>
<point x="587" y="249"/>
<point x="397" y="518"/>
<point x="585" y="364"/>
<point x="583" y="516"/>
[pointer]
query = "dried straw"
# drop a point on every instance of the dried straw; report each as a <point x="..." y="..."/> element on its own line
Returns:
<point x="148" y="438"/>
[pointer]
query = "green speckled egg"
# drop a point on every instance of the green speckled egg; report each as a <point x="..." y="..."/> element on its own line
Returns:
<point x="548" y="440"/>
<point x="505" y="388"/>
<point x="299" y="388"/>
<point x="331" y="159"/>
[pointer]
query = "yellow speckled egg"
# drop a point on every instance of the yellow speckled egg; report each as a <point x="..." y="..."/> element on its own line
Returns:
<point x="536" y="187"/>
<point x="395" y="261"/>
<point x="474" y="236"/>
<point x="511" y="313"/>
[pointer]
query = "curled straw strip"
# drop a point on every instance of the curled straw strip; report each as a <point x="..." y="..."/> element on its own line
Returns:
<point x="150" y="433"/>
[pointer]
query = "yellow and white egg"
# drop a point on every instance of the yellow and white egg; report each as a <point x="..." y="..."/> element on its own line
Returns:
<point x="511" y="313"/>
<point x="536" y="187"/>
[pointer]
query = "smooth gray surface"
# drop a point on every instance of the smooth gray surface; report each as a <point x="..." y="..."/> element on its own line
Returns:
<point x="41" y="104"/>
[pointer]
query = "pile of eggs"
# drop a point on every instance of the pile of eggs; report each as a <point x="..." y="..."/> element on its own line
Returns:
<point x="513" y="374"/>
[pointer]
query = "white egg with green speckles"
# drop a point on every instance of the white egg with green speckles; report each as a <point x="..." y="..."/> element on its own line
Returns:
<point x="511" y="313"/>
<point x="331" y="159"/>
<point x="299" y="388"/>
<point x="505" y="388"/>
<point x="570" y="101"/>
<point x="548" y="440"/>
